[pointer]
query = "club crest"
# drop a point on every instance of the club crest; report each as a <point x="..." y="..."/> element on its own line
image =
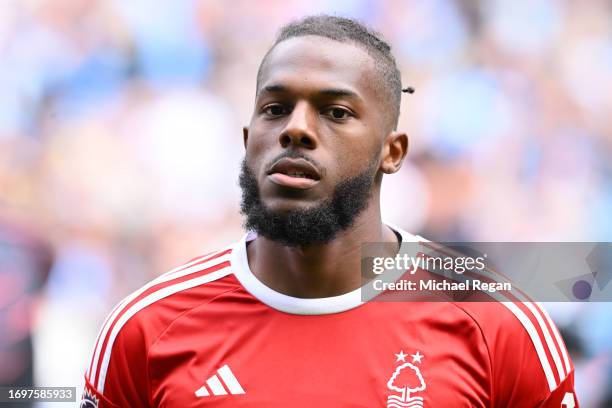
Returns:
<point x="408" y="381"/>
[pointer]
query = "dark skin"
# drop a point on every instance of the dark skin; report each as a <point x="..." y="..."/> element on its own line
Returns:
<point x="322" y="98"/>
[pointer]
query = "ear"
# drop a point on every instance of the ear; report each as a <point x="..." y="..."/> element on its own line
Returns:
<point x="245" y="135"/>
<point x="394" y="151"/>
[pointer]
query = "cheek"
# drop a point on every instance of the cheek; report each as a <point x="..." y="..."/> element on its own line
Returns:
<point x="354" y="156"/>
<point x="257" y="146"/>
<point x="255" y="140"/>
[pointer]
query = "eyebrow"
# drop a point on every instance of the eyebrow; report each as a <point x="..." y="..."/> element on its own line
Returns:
<point x="336" y="92"/>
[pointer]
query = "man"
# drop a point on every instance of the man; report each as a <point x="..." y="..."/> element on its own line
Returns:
<point x="277" y="319"/>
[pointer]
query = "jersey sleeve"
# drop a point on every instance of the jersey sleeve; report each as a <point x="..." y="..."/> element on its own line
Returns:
<point x="562" y="397"/>
<point x="530" y="364"/>
<point x="118" y="374"/>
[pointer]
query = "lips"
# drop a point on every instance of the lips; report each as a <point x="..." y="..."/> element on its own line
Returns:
<point x="294" y="173"/>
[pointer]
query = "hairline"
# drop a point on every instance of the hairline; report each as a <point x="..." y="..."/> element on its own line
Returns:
<point x="372" y="54"/>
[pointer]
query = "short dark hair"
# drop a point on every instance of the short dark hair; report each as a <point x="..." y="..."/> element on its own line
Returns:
<point x="348" y="30"/>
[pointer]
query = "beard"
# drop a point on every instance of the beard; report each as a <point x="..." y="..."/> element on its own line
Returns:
<point x="309" y="226"/>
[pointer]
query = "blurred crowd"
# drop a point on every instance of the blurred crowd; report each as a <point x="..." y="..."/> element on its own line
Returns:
<point x="121" y="138"/>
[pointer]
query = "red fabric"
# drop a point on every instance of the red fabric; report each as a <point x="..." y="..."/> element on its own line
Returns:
<point x="473" y="354"/>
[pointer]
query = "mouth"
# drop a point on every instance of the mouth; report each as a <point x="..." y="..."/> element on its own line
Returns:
<point x="294" y="173"/>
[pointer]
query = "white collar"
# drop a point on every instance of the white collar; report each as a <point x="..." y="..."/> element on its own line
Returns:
<point x="290" y="304"/>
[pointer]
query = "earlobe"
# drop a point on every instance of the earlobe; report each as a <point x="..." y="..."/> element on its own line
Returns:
<point x="245" y="135"/>
<point x="394" y="152"/>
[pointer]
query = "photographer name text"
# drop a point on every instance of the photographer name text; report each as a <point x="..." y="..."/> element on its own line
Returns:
<point x="441" y="285"/>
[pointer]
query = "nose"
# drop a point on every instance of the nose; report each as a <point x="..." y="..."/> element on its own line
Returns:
<point x="300" y="130"/>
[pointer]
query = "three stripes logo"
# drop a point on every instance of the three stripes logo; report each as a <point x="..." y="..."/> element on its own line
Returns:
<point x="224" y="382"/>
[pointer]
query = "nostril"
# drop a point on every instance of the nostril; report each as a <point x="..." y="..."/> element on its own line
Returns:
<point x="285" y="140"/>
<point x="306" y="141"/>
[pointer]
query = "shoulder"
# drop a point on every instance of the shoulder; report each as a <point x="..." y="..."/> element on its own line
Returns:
<point x="138" y="320"/>
<point x="158" y="302"/>
<point x="528" y="359"/>
<point x="524" y="345"/>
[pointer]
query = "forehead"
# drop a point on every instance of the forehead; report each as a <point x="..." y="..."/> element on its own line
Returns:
<point x="319" y="62"/>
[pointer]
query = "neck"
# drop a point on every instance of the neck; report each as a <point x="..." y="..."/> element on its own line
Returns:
<point x="324" y="270"/>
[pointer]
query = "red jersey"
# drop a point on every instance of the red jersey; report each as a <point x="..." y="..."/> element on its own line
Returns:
<point x="210" y="334"/>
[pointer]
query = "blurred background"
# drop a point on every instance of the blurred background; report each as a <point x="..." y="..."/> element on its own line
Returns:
<point x="120" y="144"/>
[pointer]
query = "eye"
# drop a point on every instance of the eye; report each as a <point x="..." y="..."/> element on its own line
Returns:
<point x="274" y="110"/>
<point x="338" y="113"/>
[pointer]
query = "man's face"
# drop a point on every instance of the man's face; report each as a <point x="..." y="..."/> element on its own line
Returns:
<point x="318" y="121"/>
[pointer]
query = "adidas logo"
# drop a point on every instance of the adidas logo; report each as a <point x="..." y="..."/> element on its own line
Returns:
<point x="215" y="384"/>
